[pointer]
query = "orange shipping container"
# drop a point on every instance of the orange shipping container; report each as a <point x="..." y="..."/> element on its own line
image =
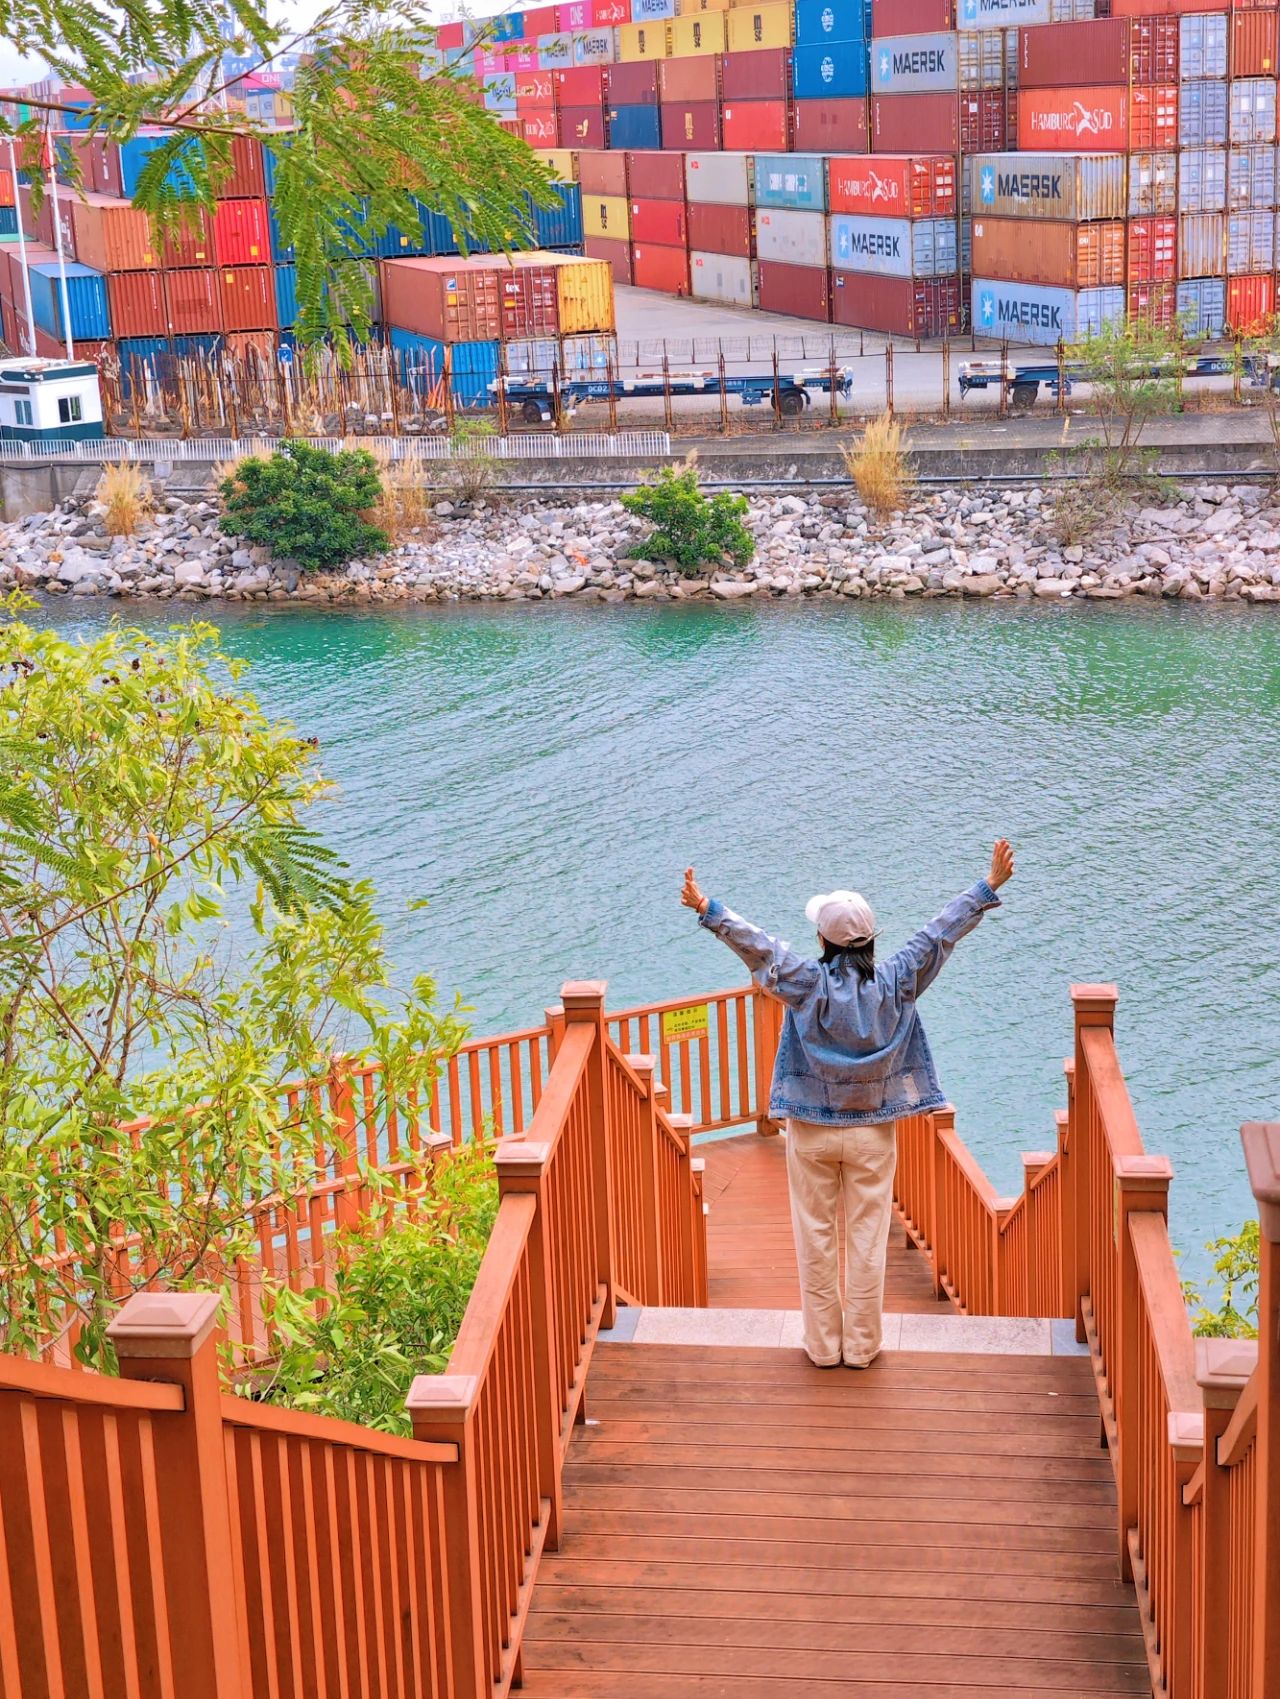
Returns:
<point x="1253" y="44"/>
<point x="1153" y="118"/>
<point x="191" y="299"/>
<point x="136" y="299"/>
<point x="247" y="296"/>
<point x="1251" y="303"/>
<point x="1061" y="255"/>
<point x="112" y="235"/>
<point x="6" y="188"/>
<point x="1079" y="120"/>
<point x="450" y="299"/>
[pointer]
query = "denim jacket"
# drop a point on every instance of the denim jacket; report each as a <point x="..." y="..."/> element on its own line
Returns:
<point x="852" y="1051"/>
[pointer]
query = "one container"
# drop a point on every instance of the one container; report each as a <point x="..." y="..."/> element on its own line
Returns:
<point x="988" y="120"/>
<point x="665" y="270"/>
<point x="1202" y="244"/>
<point x="831" y="71"/>
<point x="1049" y="185"/>
<point x="1251" y="178"/>
<point x="801" y="291"/>
<point x="655" y="177"/>
<point x="1007" y="14"/>
<point x="756" y="123"/>
<point x="1034" y="313"/>
<point x="424" y="362"/>
<point x="1153" y="183"/>
<point x="584" y="85"/>
<point x="584" y="291"/>
<point x="86" y="298"/>
<point x="896" y="306"/>
<point x="733" y="280"/>
<point x="136" y="303"/>
<point x="606" y="215"/>
<point x="703" y="33"/>
<point x="1065" y="256"/>
<point x="759" y="26"/>
<point x="1202" y="114"/>
<point x="687" y="80"/>
<point x="716" y="229"/>
<point x="581" y="127"/>
<point x="1155" y="49"/>
<point x="830" y="126"/>
<point x="795" y="238"/>
<point x="1251" y="242"/>
<point x="1092" y="120"/>
<point x="644" y="41"/>
<point x="611" y="252"/>
<point x="660" y="222"/>
<point x="916" y="64"/>
<point x="1252" y="109"/>
<point x="1254" y="44"/>
<point x="692" y="124"/>
<point x="241" y="233"/>
<point x="632" y="127"/>
<point x="913" y="17"/>
<point x="823" y="21"/>
<point x="1074" y="55"/>
<point x="1251" y="304"/>
<point x="1201" y="306"/>
<point x="893" y="186"/>
<point x="1202" y="180"/>
<point x="1202" y="46"/>
<point x="796" y="181"/>
<point x="721" y="179"/>
<point x="763" y="74"/>
<point x="577" y="15"/>
<point x="894" y="247"/>
<point x="602" y="174"/>
<point x="633" y="84"/>
<point x="929" y="123"/>
<point x="453" y="300"/>
<point x="1153" y="303"/>
<point x="1153" y="115"/>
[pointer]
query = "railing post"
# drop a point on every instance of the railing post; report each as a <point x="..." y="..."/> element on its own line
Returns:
<point x="766" y="1015"/>
<point x="647" y="1186"/>
<point x="1222" y="1368"/>
<point x="169" y="1336"/>
<point x="555" y="1029"/>
<point x="346" y="1206"/>
<point x="1064" y="1276"/>
<point x="1034" y="1162"/>
<point x="1142" y="1184"/>
<point x="442" y="1408"/>
<point x="693" y="1238"/>
<point x="1094" y="1005"/>
<point x="583" y="1002"/>
<point x="940" y="1121"/>
<point x="1261" y="1140"/>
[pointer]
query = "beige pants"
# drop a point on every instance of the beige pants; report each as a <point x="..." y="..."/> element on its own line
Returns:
<point x="823" y="1165"/>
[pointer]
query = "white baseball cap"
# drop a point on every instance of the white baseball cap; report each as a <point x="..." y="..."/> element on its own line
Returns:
<point x="842" y="917"/>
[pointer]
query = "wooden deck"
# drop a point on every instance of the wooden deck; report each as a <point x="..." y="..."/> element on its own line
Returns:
<point x="750" y="1254"/>
<point x="742" y="1524"/>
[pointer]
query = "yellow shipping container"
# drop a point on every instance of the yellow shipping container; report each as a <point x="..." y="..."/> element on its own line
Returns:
<point x="644" y="41"/>
<point x="584" y="289"/>
<point x="695" y="8"/>
<point x="703" y="34"/>
<point x="759" y="26"/>
<point x="606" y="215"/>
<point x="562" y="160"/>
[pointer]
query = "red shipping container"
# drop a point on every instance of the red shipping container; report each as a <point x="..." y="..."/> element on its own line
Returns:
<point x="749" y="126"/>
<point x="603" y="173"/>
<point x="762" y="75"/>
<point x="197" y="300"/>
<point x="454" y="300"/>
<point x="905" y="186"/>
<point x="1083" y="55"/>
<point x="912" y="17"/>
<point x="1153" y="8"/>
<point x="1251" y="304"/>
<point x="927" y="122"/>
<point x="1153" y="118"/>
<point x="608" y="14"/>
<point x="687" y="81"/>
<point x="721" y="230"/>
<point x="663" y="269"/>
<point x="616" y="254"/>
<point x="136" y="300"/>
<point x="535" y="88"/>
<point x="247" y="179"/>
<point x="581" y="127"/>
<point x="695" y="126"/>
<point x="662" y="222"/>
<point x="802" y="291"/>
<point x="540" y="129"/>
<point x="1154" y="302"/>
<point x="39" y="225"/>
<point x="896" y="306"/>
<point x="241" y="233"/>
<point x="653" y="176"/>
<point x="988" y="121"/>
<point x="1253" y="44"/>
<point x="1080" y="120"/>
<point x="830" y="126"/>
<point x="584" y="85"/>
<point x="99" y="162"/>
<point x="530" y="301"/>
<point x="451" y="35"/>
<point x="7" y="189"/>
<point x="1153" y="250"/>
<point x="248" y="297"/>
<point x="542" y="20"/>
<point x="633" y="84"/>
<point x="1153" y="50"/>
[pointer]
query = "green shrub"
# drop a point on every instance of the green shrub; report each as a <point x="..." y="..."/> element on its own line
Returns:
<point x="690" y="528"/>
<point x="1236" y="1267"/>
<point x="305" y="504"/>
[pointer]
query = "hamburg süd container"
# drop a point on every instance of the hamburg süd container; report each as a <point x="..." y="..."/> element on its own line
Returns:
<point x="534" y="90"/>
<point x="1251" y="304"/>
<point x="1251" y="178"/>
<point x="1202" y="46"/>
<point x="893" y="186"/>
<point x="1093" y="120"/>
<point x="916" y="64"/>
<point x="1202" y="244"/>
<point x="718" y="229"/>
<point x="241" y="234"/>
<point x="691" y="124"/>
<point x="612" y="252"/>
<point x="1154" y="49"/>
<point x="751" y="27"/>
<point x="1049" y="185"/>
<point x="894" y="247"/>
<point x="756" y="123"/>
<point x="1202" y="114"/>
<point x="731" y="279"/>
<point x="1201" y="305"/>
<point x="1043" y="316"/>
<point x="606" y="215"/>
<point x="722" y="179"/>
<point x="539" y="129"/>
<point x="1252" y="109"/>
<point x="924" y="123"/>
<point x="659" y="222"/>
<point x="801" y="291"/>
<point x="1074" y="55"/>
<point x="602" y="173"/>
<point x="611" y="14"/>
<point x="665" y="270"/>
<point x="452" y="300"/>
<point x="896" y="306"/>
<point x="1153" y="115"/>
<point x="655" y="176"/>
<point x="914" y="17"/>
<point x="1153" y="250"/>
<point x="1062" y="255"/>
<point x="425" y="361"/>
<point x="831" y="71"/>
<point x="830" y="126"/>
<point x="681" y="80"/>
<point x="1254" y="44"/>
<point x="1153" y="183"/>
<point x="796" y="238"/>
<point x="821" y="21"/>
<point x="796" y="181"/>
<point x="1202" y="179"/>
<point x="764" y="74"/>
<point x="1251" y="242"/>
<point x="581" y="127"/>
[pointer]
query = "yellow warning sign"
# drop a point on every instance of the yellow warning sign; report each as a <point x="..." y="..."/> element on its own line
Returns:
<point x="690" y="1022"/>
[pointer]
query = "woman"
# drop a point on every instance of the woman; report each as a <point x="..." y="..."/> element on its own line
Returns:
<point x="853" y="1057"/>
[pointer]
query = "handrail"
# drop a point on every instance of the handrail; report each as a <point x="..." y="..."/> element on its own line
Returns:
<point x="1242" y="1430"/>
<point x="241" y="1412"/>
<point x="36" y="1379"/>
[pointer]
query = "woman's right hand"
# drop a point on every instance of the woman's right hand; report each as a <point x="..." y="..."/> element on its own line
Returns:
<point x="1001" y="864"/>
<point x="691" y="896"/>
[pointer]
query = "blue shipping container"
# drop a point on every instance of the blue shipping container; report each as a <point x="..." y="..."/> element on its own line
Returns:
<point x="286" y="295"/>
<point x="635" y="127"/>
<point x="86" y="296"/>
<point x="796" y="180"/>
<point x="821" y="21"/>
<point x="474" y="366"/>
<point x="156" y="354"/>
<point x="1202" y="306"/>
<point x="8" y="221"/>
<point x="508" y="26"/>
<point x="561" y="226"/>
<point x="1031" y="312"/>
<point x="1202" y="180"/>
<point x="1202" y="114"/>
<point x="1202" y="45"/>
<point x="837" y="71"/>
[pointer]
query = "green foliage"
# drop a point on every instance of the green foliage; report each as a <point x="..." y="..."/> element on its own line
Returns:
<point x="393" y="1311"/>
<point x="306" y="504"/>
<point x="470" y="473"/>
<point x="175" y="943"/>
<point x="1235" y="1266"/>
<point x="689" y="527"/>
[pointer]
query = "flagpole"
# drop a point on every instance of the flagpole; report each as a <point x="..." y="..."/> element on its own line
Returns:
<point x="57" y="242"/>
<point x="29" y="333"/>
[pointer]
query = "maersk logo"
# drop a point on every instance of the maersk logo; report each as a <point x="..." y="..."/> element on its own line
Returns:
<point x="987" y="307"/>
<point x="983" y="11"/>
<point x="884" y="67"/>
<point x="1024" y="186"/>
<point x="987" y="186"/>
<point x="875" y="246"/>
<point x="827" y="69"/>
<point x="827" y="21"/>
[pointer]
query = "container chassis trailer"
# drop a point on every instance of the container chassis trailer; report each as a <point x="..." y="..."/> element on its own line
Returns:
<point x="536" y="398"/>
<point x="1022" y="384"/>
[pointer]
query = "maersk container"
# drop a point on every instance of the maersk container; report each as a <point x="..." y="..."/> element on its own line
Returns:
<point x="1029" y="312"/>
<point x="1251" y="178"/>
<point x="830" y="71"/>
<point x="1153" y="183"/>
<point x="86" y="298"/>
<point x="632" y="127"/>
<point x="595" y="47"/>
<point x="1201" y="305"/>
<point x="721" y="179"/>
<point x="989" y="59"/>
<point x="901" y="186"/>
<point x="724" y="277"/>
<point x="916" y="64"/>
<point x="894" y="247"/>
<point x="1202" y="45"/>
<point x="423" y="361"/>
<point x="1007" y="14"/>
<point x="1251" y="242"/>
<point x="1068" y="186"/>
<point x="1089" y="55"/>
<point x="499" y="92"/>
<point x="1202" y="244"/>
<point x="793" y="238"/>
<point x="1202" y="180"/>
<point x="1202" y="114"/>
<point x="822" y="21"/>
<point x="1253" y="109"/>
<point x="797" y="181"/>
<point x="651" y="11"/>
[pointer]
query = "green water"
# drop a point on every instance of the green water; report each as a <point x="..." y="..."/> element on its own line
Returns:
<point x="543" y="774"/>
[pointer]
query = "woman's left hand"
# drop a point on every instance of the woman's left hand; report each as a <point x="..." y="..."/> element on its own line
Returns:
<point x="691" y="896"/>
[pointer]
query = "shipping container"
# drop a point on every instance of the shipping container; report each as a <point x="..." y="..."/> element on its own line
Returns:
<point x="893" y="186"/>
<point x="245" y="179"/>
<point x="894" y="247"/>
<point x="99" y="162"/>
<point x="896" y="306"/>
<point x="1062" y="255"/>
<point x="665" y="270"/>
<point x="584" y="291"/>
<point x="797" y="181"/>
<point x="695" y="8"/>
<point x="112" y="235"/>
<point x="928" y="122"/>
<point x="612" y="13"/>
<point x="596" y="46"/>
<point x="40" y="224"/>
<point x="723" y="179"/>
<point x="830" y="126"/>
<point x="539" y="20"/>
<point x="764" y="74"/>
<point x="1153" y="183"/>
<point x="1252" y="109"/>
<point x="916" y="64"/>
<point x="1202" y="180"/>
<point x="1202" y="46"/>
<point x="606" y="215"/>
<point x="136" y="302"/>
<point x="1202" y="114"/>
<point x="200" y="301"/>
<point x="819" y="22"/>
<point x="424" y="361"/>
<point x="715" y="276"/>
<point x="602" y="173"/>
<point x="1202" y="244"/>
<point x="577" y="15"/>
<point x="584" y="85"/>
<point x="157" y="355"/>
<point x="563" y="162"/>
<point x="581" y="127"/>
<point x="1201" y="306"/>
<point x="241" y="234"/>
<point x="637" y="42"/>
<point x="660" y="222"/>
<point x="1010" y="14"/>
<point x="1251" y="304"/>
<point x="1031" y="312"/>
<point x="577" y="356"/>
<point x="1153" y="303"/>
<point x="831" y="71"/>
<point x="702" y="34"/>
<point x="1153" y="116"/>
<point x="1064" y="186"/>
<point x="500" y="92"/>
<point x="759" y="26"/>
<point x="691" y="125"/>
<point x="800" y="291"/>
<point x="913" y="17"/>
<point x="539" y="129"/>
<point x="1251" y="178"/>
<point x="988" y="121"/>
<point x="652" y="11"/>
<point x="1251" y="242"/>
<point x="683" y="81"/>
<point x="507" y="26"/>
<point x="1086" y="55"/>
<point x="632" y="127"/>
<point x="1155" y="49"/>
<point x="614" y="253"/>
<point x="718" y="229"/>
<point x="86" y="300"/>
<point x="1080" y="119"/>
<point x="450" y="299"/>
<point x="1254" y="44"/>
<point x="797" y="238"/>
<point x="534" y="89"/>
<point x="634" y="84"/>
<point x="989" y="59"/>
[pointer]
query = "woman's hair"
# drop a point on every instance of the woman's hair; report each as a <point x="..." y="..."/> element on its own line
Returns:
<point x="860" y="957"/>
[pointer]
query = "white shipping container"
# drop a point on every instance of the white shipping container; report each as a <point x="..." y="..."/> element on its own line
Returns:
<point x="724" y="277"/>
<point x="720" y="179"/>
<point x="1202" y="180"/>
<point x="1251" y="178"/>
<point x="1251" y="243"/>
<point x="1007" y="14"/>
<point x="1066" y="186"/>
<point x="1153" y="184"/>
<point x="794" y="238"/>
<point x="1253" y="109"/>
<point x="1202" y="244"/>
<point x="916" y="64"/>
<point x="1044" y="316"/>
<point x="1202" y="45"/>
<point x="894" y="247"/>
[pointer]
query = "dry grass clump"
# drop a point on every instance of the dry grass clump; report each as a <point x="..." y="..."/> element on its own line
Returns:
<point x="880" y="468"/>
<point x="224" y="469"/>
<point x="404" y="506"/>
<point x="124" y="491"/>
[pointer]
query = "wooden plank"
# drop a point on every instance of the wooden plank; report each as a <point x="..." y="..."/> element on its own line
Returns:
<point x="1008" y="1473"/>
<point x="838" y="1435"/>
<point x="616" y="1684"/>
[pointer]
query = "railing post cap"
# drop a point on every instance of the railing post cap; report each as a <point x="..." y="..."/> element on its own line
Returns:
<point x="1261" y="1141"/>
<point x="578" y="994"/>
<point x="1036" y="1158"/>
<point x="642" y="1064"/>
<point x="1186" y="1434"/>
<point x="682" y="1122"/>
<point x="1095" y="1005"/>
<point x="445" y="1397"/>
<point x="1143" y="1173"/>
<point x="520" y="1158"/>
<point x="945" y="1113"/>
<point x="1223" y="1367"/>
<point x="164" y="1324"/>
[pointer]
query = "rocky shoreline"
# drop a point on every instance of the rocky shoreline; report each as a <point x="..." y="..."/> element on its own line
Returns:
<point x="1220" y="543"/>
